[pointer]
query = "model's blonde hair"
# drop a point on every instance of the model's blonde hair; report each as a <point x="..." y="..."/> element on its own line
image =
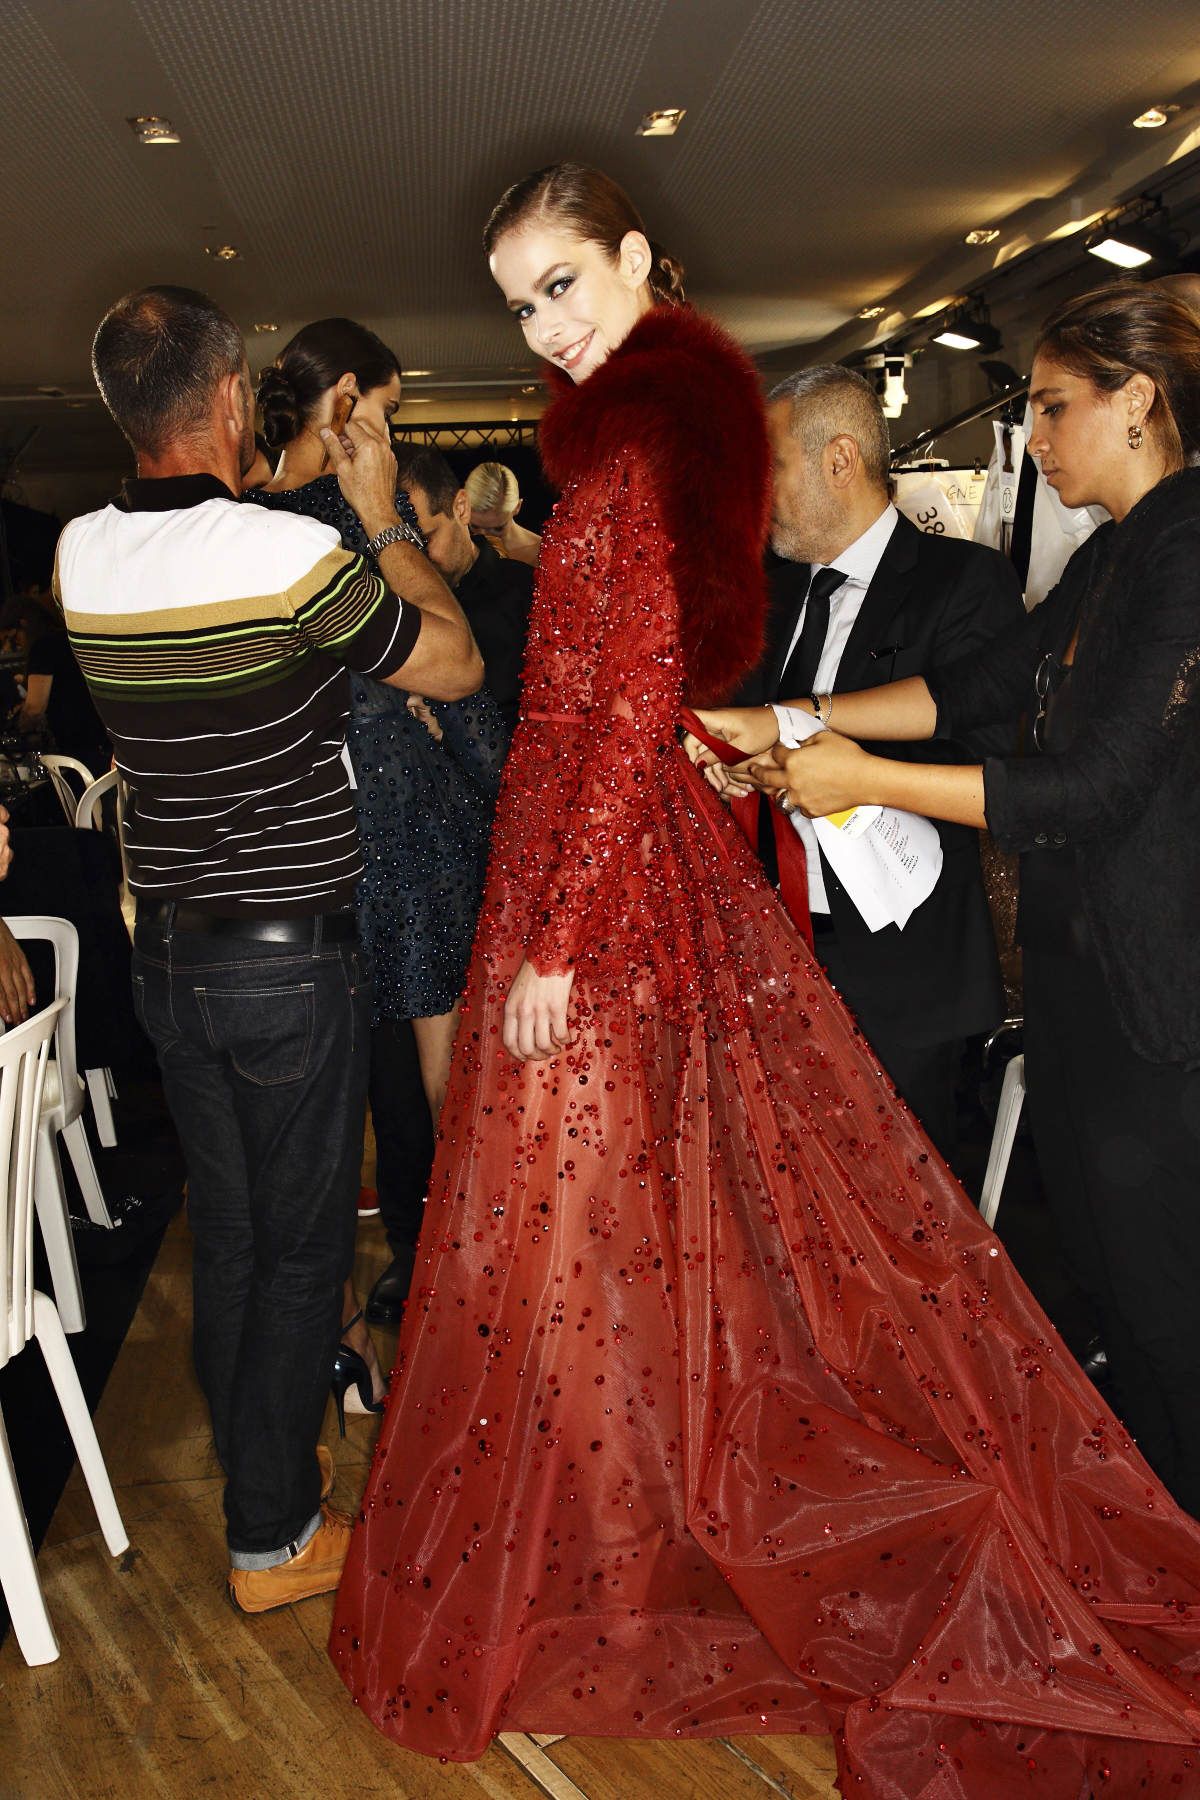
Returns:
<point x="491" y="484"/>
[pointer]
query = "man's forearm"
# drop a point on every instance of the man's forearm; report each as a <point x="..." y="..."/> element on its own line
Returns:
<point x="409" y="573"/>
<point x="898" y="712"/>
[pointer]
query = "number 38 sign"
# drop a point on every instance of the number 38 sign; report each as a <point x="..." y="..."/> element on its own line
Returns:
<point x="941" y="502"/>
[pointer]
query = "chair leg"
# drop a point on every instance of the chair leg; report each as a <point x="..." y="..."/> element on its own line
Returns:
<point x="47" y="1329"/>
<point x="1008" y="1114"/>
<point x="80" y="1151"/>
<point x="51" y="1200"/>
<point x="100" y="1089"/>
<point x="18" y="1569"/>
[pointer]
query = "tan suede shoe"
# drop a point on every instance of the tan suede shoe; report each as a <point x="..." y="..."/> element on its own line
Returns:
<point x="316" y="1569"/>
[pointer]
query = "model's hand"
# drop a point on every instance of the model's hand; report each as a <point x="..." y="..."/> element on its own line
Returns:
<point x="366" y="473"/>
<point x="419" y="709"/>
<point x="17" y="993"/>
<point x="751" y="729"/>
<point x="535" y="1015"/>
<point x="828" y="773"/>
<point x="5" y="847"/>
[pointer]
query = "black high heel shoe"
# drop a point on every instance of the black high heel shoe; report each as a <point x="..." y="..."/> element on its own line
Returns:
<point x="351" y="1371"/>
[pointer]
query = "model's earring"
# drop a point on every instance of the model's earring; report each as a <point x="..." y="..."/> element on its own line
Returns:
<point x="1135" y="437"/>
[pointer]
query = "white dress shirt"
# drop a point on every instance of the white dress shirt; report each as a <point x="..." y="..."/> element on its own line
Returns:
<point x="858" y="563"/>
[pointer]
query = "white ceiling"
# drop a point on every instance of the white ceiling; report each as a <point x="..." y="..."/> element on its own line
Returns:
<point x="351" y="149"/>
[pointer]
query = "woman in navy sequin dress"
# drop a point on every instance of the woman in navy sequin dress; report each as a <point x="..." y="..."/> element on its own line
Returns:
<point x="426" y="792"/>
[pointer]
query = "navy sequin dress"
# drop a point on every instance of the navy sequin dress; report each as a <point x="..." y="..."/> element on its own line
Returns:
<point x="424" y="810"/>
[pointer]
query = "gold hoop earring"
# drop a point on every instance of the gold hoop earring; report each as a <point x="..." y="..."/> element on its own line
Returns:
<point x="1135" y="437"/>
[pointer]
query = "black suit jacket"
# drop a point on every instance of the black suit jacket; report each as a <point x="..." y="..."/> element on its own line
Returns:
<point x="495" y="594"/>
<point x="933" y="600"/>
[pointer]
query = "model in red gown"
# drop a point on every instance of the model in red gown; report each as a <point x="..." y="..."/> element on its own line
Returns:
<point x="718" y="1409"/>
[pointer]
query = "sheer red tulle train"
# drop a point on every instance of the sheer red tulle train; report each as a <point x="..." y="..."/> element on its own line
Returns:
<point x="718" y="1408"/>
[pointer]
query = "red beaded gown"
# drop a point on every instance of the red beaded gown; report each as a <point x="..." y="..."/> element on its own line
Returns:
<point x="718" y="1409"/>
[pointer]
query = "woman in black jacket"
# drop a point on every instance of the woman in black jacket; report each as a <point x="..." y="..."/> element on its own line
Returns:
<point x="1104" y="810"/>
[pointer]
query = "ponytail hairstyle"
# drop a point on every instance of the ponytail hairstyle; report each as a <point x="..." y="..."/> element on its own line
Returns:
<point x="290" y="390"/>
<point x="1133" y="329"/>
<point x="590" y="205"/>
<point x="491" y="485"/>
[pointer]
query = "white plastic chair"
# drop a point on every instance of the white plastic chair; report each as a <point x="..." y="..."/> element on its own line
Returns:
<point x="25" y="1313"/>
<point x="62" y="1113"/>
<point x="86" y="814"/>
<point x="1008" y="1116"/>
<point x="55" y="766"/>
<point x="102" y="1089"/>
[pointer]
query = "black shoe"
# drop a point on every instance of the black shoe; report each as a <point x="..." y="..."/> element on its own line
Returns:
<point x="351" y="1371"/>
<point x="385" y="1304"/>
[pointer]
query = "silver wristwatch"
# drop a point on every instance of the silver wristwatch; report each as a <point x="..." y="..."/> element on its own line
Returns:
<point x="400" y="533"/>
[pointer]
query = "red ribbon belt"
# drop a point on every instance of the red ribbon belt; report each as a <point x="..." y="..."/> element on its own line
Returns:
<point x="789" y="849"/>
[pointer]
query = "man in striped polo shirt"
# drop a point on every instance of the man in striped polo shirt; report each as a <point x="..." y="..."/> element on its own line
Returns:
<point x="215" y="639"/>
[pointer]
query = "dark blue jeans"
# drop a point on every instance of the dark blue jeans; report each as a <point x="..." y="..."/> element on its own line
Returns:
<point x="264" y="1055"/>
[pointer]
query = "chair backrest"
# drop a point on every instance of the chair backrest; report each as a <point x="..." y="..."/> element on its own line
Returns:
<point x="87" y="813"/>
<point x="63" y="935"/>
<point x="56" y="767"/>
<point x="23" y="1057"/>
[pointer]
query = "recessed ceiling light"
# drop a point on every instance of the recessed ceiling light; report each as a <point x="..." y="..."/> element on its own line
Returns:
<point x="409" y="372"/>
<point x="148" y="129"/>
<point x="52" y="393"/>
<point x="529" y="390"/>
<point x="266" y="328"/>
<point x="870" y="312"/>
<point x="983" y="236"/>
<point x="76" y="404"/>
<point x="1153" y="117"/>
<point x="223" y="252"/>
<point x="418" y="400"/>
<point x="956" y="340"/>
<point x="661" y="124"/>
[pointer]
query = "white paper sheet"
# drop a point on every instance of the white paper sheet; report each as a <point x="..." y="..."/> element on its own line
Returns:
<point x="888" y="870"/>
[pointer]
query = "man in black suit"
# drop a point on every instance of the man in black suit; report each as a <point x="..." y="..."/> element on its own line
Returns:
<point x="860" y="597"/>
<point x="495" y="594"/>
<point x="494" y="591"/>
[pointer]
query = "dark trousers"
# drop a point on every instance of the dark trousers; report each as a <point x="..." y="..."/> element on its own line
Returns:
<point x="263" y="1051"/>
<point x="925" y="1077"/>
<point x="1118" y="1145"/>
<point x="403" y="1129"/>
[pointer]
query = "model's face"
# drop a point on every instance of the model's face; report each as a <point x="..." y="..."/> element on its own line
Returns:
<point x="804" y="510"/>
<point x="574" y="303"/>
<point x="374" y="409"/>
<point x="494" y="522"/>
<point x="1081" y="434"/>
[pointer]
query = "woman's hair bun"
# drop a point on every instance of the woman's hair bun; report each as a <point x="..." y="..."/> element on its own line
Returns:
<point x="282" y="414"/>
<point x="666" y="275"/>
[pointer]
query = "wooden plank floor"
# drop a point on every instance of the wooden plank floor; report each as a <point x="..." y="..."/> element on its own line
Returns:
<point x="164" y="1692"/>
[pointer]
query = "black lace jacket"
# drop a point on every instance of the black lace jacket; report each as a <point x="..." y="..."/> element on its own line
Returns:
<point x="1126" y="793"/>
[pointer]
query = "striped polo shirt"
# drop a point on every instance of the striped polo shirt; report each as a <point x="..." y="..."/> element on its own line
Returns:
<point x="215" y="639"/>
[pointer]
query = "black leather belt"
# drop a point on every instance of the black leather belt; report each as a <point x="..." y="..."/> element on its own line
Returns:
<point x="336" y="927"/>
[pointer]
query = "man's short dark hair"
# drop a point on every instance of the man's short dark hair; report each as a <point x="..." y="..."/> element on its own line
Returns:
<point x="831" y="401"/>
<point x="158" y="357"/>
<point x="419" y="466"/>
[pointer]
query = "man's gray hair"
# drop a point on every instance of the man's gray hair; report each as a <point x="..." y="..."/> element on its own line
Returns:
<point x="830" y="401"/>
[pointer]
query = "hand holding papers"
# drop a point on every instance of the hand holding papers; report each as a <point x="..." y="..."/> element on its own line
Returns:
<point x="887" y="861"/>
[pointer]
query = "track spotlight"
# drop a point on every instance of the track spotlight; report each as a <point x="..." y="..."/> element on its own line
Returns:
<point x="1130" y="245"/>
<point x="970" y="328"/>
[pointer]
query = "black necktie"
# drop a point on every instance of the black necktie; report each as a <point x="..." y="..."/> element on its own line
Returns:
<point x="800" y="671"/>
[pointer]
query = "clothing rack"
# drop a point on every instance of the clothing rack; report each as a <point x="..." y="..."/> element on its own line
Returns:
<point x="979" y="411"/>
